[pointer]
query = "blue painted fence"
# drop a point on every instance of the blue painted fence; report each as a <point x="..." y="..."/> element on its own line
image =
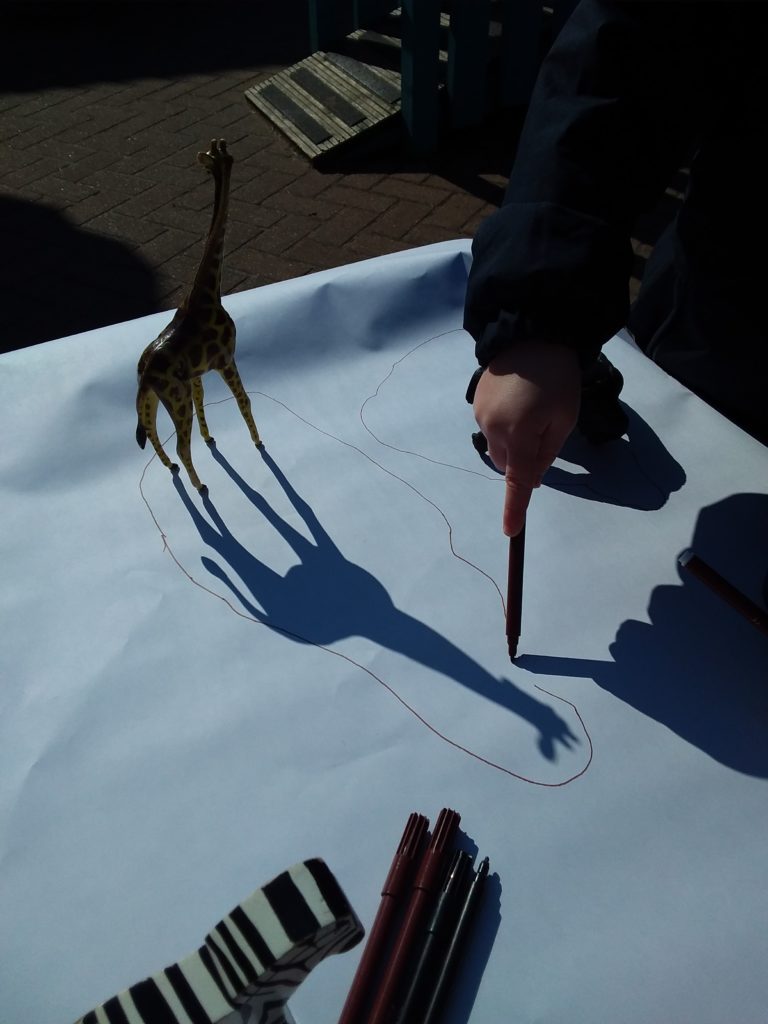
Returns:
<point x="511" y="29"/>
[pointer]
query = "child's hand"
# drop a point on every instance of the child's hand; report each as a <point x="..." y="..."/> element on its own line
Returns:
<point x="526" y="404"/>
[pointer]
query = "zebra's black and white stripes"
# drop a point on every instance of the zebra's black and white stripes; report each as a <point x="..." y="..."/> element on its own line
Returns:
<point x="251" y="961"/>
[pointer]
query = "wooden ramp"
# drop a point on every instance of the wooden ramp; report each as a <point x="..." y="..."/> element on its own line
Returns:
<point x="351" y="94"/>
<point x="421" y="67"/>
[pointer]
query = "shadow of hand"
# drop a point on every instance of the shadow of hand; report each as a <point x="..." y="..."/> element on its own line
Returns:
<point x="551" y="727"/>
<point x="552" y="730"/>
<point x="632" y="472"/>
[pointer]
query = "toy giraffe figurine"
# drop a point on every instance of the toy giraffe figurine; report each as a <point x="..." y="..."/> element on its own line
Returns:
<point x="200" y="337"/>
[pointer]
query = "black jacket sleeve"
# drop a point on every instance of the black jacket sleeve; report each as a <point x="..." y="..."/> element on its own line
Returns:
<point x="619" y="103"/>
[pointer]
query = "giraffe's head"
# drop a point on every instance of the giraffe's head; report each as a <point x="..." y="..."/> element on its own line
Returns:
<point x="216" y="158"/>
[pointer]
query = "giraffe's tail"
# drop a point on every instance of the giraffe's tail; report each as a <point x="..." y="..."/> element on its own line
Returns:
<point x="141" y="397"/>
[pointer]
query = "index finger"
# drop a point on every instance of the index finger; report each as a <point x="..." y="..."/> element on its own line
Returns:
<point x="516" y="498"/>
<point x="516" y="452"/>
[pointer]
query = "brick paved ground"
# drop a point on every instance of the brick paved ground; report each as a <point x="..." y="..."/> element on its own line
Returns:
<point x="102" y="206"/>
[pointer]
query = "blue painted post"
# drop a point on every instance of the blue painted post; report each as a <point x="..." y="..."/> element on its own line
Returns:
<point x="329" y="21"/>
<point x="421" y="73"/>
<point x="468" y="47"/>
<point x="368" y="11"/>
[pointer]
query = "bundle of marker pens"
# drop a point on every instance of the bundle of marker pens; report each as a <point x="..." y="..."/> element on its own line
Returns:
<point x="427" y="904"/>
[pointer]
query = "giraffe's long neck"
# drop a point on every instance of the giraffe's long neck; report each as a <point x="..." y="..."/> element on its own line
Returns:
<point x="206" y="287"/>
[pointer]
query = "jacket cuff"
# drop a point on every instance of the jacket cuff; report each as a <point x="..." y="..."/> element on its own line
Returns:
<point x="544" y="272"/>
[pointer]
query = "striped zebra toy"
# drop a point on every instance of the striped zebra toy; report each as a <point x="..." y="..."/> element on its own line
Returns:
<point x="251" y="961"/>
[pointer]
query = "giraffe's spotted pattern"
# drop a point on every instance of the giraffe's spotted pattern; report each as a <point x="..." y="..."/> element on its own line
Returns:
<point x="200" y="337"/>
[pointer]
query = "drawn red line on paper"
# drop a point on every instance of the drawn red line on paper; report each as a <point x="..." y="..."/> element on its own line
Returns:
<point x="408" y="451"/>
<point x="285" y="631"/>
<point x="577" y="482"/>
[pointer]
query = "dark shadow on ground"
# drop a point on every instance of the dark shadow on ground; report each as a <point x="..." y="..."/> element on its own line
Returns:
<point x="325" y="598"/>
<point x="65" y="44"/>
<point x="476" y="160"/>
<point x="62" y="279"/>
<point x="698" y="667"/>
<point x="634" y="471"/>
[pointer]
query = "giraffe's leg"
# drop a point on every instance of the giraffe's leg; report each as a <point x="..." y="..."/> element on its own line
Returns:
<point x="181" y="414"/>
<point x="197" y="395"/>
<point x="146" y="406"/>
<point x="232" y="377"/>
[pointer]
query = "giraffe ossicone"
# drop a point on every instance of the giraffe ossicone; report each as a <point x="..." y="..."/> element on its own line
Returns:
<point x="200" y="337"/>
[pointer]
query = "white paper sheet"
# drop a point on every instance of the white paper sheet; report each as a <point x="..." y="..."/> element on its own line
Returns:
<point x="198" y="693"/>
